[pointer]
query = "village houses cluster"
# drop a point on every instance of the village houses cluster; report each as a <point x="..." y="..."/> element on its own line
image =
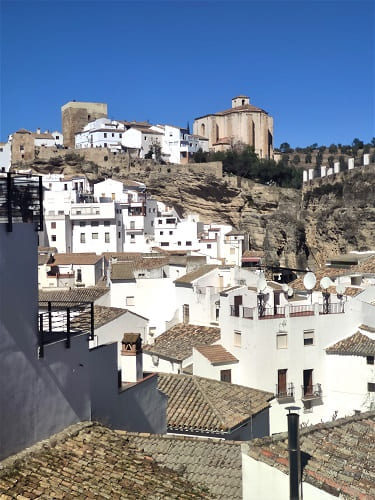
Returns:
<point x="150" y="320"/>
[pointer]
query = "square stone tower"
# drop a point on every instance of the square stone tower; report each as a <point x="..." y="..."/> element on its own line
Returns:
<point x="76" y="115"/>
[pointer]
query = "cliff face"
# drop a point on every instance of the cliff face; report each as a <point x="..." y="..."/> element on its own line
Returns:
<point x="294" y="228"/>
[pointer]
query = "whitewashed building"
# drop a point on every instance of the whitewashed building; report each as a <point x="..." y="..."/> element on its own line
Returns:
<point x="101" y="133"/>
<point x="5" y="155"/>
<point x="141" y="139"/>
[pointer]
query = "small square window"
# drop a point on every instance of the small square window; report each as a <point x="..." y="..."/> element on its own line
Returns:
<point x="132" y="236"/>
<point x="82" y="223"/>
<point x="130" y="301"/>
<point x="170" y="232"/>
<point x="208" y="245"/>
<point x="94" y="236"/>
<point x="370" y="387"/>
<point x="82" y="238"/>
<point x="237" y="339"/>
<point x="106" y="238"/>
<point x="53" y="237"/>
<point x="308" y="337"/>
<point x="179" y="243"/>
<point x="53" y="225"/>
<point x="370" y="360"/>
<point x="188" y="243"/>
<point x="94" y="223"/>
<point x="107" y="223"/>
<point x="281" y="341"/>
<point x="164" y="244"/>
<point x="225" y="376"/>
<point x="161" y="233"/>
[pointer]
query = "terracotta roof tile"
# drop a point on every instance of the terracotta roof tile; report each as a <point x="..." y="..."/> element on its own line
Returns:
<point x="91" y="461"/>
<point x="340" y="455"/>
<point x="86" y="294"/>
<point x="197" y="404"/>
<point x="197" y="273"/>
<point x="216" y="354"/>
<point x="90" y="258"/>
<point x="125" y="269"/>
<point x="178" y="342"/>
<point x="355" y="345"/>
<point x="214" y="463"/>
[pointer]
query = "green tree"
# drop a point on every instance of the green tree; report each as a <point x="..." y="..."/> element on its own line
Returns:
<point x="333" y="149"/>
<point x="331" y="160"/>
<point x="200" y="156"/>
<point x="308" y="158"/>
<point x="285" y="147"/>
<point x="154" y="152"/>
<point x="296" y="160"/>
<point x="373" y="142"/>
<point x="357" y="143"/>
<point x="319" y="159"/>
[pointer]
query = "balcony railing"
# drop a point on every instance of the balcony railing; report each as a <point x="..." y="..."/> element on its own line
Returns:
<point x="332" y="308"/>
<point x="62" y="320"/>
<point x="311" y="391"/>
<point x="285" y="392"/>
<point x="21" y="200"/>
<point x="304" y="310"/>
<point x="248" y="312"/>
<point x="272" y="312"/>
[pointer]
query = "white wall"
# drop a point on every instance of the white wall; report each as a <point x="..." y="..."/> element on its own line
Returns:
<point x="5" y="156"/>
<point x="203" y="368"/>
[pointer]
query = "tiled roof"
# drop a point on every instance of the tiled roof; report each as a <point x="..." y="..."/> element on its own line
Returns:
<point x="331" y="272"/>
<point x="47" y="250"/>
<point x="252" y="253"/>
<point x="125" y="270"/>
<point x="44" y="259"/>
<point x="216" y="354"/>
<point x="366" y="266"/>
<point x="355" y="345"/>
<point x="223" y="140"/>
<point x="238" y="109"/>
<point x="86" y="294"/>
<point x="90" y="461"/>
<point x="197" y="273"/>
<point x="178" y="342"/>
<point x="235" y="232"/>
<point x="197" y="404"/>
<point x="42" y="135"/>
<point x="367" y="328"/>
<point x="215" y="464"/>
<point x="104" y="315"/>
<point x="89" y="258"/>
<point x="340" y="455"/>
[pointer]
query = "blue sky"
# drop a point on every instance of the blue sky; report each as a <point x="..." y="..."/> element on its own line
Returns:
<point x="310" y="64"/>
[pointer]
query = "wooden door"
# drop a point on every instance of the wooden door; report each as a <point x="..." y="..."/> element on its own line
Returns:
<point x="281" y="381"/>
<point x="237" y="304"/>
<point x="307" y="382"/>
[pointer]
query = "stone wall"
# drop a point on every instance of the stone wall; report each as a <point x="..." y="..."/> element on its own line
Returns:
<point x="76" y="115"/>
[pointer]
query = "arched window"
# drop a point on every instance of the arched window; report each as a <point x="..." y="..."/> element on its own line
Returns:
<point x="203" y="129"/>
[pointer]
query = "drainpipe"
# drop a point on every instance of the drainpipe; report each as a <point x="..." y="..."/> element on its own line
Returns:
<point x="294" y="454"/>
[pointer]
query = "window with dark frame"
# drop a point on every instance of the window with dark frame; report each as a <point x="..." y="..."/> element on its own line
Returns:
<point x="226" y="375"/>
<point x="370" y="360"/>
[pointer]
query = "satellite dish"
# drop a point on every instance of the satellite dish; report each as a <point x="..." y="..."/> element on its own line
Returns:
<point x="309" y="281"/>
<point x="285" y="287"/>
<point x="261" y="283"/>
<point x="340" y="289"/>
<point x="290" y="292"/>
<point x="325" y="282"/>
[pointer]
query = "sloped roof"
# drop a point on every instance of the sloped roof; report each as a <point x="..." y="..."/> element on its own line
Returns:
<point x="89" y="258"/>
<point x="197" y="273"/>
<point x="216" y="354"/>
<point x="125" y="270"/>
<point x="44" y="258"/>
<point x="213" y="463"/>
<point x="197" y="404"/>
<point x="340" y="455"/>
<point x="249" y="108"/>
<point x="178" y="342"/>
<point x="355" y="345"/>
<point x="91" y="461"/>
<point x="86" y="294"/>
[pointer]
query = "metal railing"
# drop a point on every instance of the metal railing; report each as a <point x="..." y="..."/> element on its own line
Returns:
<point x="248" y="312"/>
<point x="235" y="311"/>
<point x="302" y="310"/>
<point x="64" y="319"/>
<point x="21" y="200"/>
<point x="311" y="391"/>
<point x="272" y="312"/>
<point x="285" y="391"/>
<point x="332" y="308"/>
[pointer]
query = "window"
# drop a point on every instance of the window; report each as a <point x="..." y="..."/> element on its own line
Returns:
<point x="105" y="145"/>
<point x="132" y="224"/>
<point x="370" y="387"/>
<point x="132" y="236"/>
<point x="164" y="244"/>
<point x="79" y="275"/>
<point x="53" y="225"/>
<point x="160" y="221"/>
<point x="94" y="236"/>
<point x="65" y="187"/>
<point x="179" y="243"/>
<point x="120" y="135"/>
<point x="308" y="337"/>
<point x="119" y="223"/>
<point x="281" y="341"/>
<point x="185" y="314"/>
<point x="106" y="238"/>
<point x="232" y="251"/>
<point x="119" y="235"/>
<point x="208" y="245"/>
<point x="188" y="243"/>
<point x="113" y="134"/>
<point x="22" y="148"/>
<point x="60" y="212"/>
<point x="53" y="237"/>
<point x="161" y="233"/>
<point x="226" y="375"/>
<point x="170" y="232"/>
<point x="281" y="382"/>
<point x="94" y="223"/>
<point x="82" y="223"/>
<point x="237" y="338"/>
<point x="130" y="301"/>
<point x="107" y="223"/>
<point x="370" y="360"/>
<point x="170" y="221"/>
<point x="105" y="135"/>
<point x="82" y="238"/>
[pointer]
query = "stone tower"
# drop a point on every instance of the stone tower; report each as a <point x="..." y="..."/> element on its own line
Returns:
<point x="75" y="115"/>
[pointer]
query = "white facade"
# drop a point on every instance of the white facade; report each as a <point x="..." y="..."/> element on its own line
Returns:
<point x="141" y="139"/>
<point x="178" y="145"/>
<point x="5" y="155"/>
<point x="100" y="133"/>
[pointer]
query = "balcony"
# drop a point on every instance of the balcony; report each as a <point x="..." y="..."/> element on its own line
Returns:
<point x="305" y="310"/>
<point x="62" y="320"/>
<point x="263" y="313"/>
<point x="285" y="393"/>
<point x="21" y="200"/>
<point x="332" y="308"/>
<point x="310" y="392"/>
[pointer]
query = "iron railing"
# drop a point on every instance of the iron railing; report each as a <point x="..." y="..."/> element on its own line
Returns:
<point x="302" y="310"/>
<point x="332" y="308"/>
<point x="311" y="391"/>
<point x="61" y="320"/>
<point x="272" y="312"/>
<point x="285" y="391"/>
<point x="21" y="200"/>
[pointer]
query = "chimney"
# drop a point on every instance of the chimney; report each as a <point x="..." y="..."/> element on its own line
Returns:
<point x="38" y="130"/>
<point x="131" y="358"/>
<point x="294" y="454"/>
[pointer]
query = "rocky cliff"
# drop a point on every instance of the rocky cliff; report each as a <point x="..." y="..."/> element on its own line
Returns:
<point x="295" y="228"/>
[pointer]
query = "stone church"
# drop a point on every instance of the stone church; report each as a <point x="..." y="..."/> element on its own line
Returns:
<point x="243" y="123"/>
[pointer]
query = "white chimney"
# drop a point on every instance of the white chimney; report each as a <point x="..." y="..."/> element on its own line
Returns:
<point x="38" y="130"/>
<point x="131" y="358"/>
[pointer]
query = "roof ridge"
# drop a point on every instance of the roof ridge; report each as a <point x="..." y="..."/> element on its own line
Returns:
<point x="196" y="382"/>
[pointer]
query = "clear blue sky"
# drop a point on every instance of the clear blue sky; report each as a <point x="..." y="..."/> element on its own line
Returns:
<point x="310" y="64"/>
